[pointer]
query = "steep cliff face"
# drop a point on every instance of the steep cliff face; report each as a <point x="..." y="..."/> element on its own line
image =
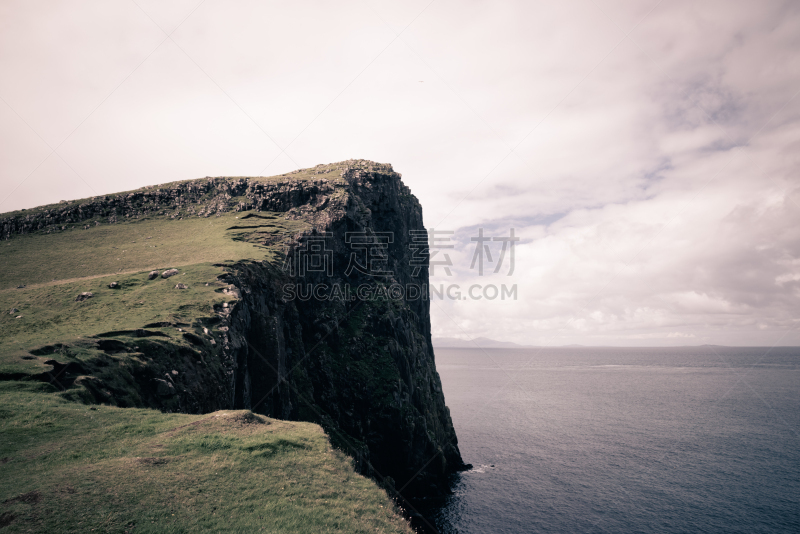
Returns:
<point x="337" y="331"/>
<point x="362" y="364"/>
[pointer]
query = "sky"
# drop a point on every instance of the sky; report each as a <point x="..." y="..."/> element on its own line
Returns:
<point x="645" y="153"/>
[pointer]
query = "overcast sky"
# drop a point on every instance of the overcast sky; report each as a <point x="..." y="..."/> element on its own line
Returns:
<point x="646" y="153"/>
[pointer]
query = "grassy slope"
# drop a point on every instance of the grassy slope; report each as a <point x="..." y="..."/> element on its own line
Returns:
<point x="132" y="246"/>
<point x="57" y="267"/>
<point x="67" y="467"/>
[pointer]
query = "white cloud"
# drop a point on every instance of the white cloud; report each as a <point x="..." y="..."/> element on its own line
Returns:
<point x="653" y="178"/>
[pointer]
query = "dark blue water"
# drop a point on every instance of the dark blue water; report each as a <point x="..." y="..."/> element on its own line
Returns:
<point x="624" y="440"/>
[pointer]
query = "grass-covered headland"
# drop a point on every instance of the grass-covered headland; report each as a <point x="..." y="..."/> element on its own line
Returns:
<point x="91" y="438"/>
<point x="71" y="467"/>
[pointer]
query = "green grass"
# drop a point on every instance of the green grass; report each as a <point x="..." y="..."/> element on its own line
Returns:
<point x="68" y="467"/>
<point x="153" y="243"/>
<point x="50" y="314"/>
<point x="56" y="268"/>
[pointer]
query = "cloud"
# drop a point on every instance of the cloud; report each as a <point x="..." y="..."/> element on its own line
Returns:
<point x="645" y="153"/>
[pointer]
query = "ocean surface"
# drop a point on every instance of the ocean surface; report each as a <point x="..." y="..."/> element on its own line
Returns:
<point x="673" y="440"/>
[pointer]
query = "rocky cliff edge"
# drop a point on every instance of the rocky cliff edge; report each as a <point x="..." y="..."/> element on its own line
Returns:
<point x="328" y="322"/>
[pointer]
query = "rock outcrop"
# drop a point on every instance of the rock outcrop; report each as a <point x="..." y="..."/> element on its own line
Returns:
<point x="361" y="365"/>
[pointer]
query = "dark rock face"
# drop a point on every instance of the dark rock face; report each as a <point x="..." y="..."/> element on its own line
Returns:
<point x="363" y="368"/>
<point x="164" y="388"/>
<point x="361" y="365"/>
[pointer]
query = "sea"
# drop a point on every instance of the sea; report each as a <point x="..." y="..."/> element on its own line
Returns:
<point x="606" y="440"/>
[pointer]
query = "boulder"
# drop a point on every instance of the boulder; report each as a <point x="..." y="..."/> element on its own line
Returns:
<point x="164" y="388"/>
<point x="169" y="272"/>
<point x="13" y="311"/>
<point x="83" y="296"/>
<point x="113" y="285"/>
<point x="152" y="275"/>
<point x="181" y="286"/>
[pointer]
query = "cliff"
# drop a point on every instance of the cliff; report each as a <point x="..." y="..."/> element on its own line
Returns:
<point x="298" y="297"/>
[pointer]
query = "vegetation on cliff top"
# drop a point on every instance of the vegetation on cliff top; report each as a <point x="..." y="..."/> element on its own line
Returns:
<point x="331" y="172"/>
<point x="55" y="268"/>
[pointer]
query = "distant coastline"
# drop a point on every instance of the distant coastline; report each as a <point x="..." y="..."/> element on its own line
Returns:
<point x="487" y="343"/>
<point x="478" y="342"/>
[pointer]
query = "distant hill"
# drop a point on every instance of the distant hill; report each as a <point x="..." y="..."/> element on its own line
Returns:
<point x="478" y="342"/>
<point x="487" y="343"/>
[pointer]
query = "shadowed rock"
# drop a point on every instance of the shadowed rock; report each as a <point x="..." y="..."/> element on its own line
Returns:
<point x="163" y="387"/>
